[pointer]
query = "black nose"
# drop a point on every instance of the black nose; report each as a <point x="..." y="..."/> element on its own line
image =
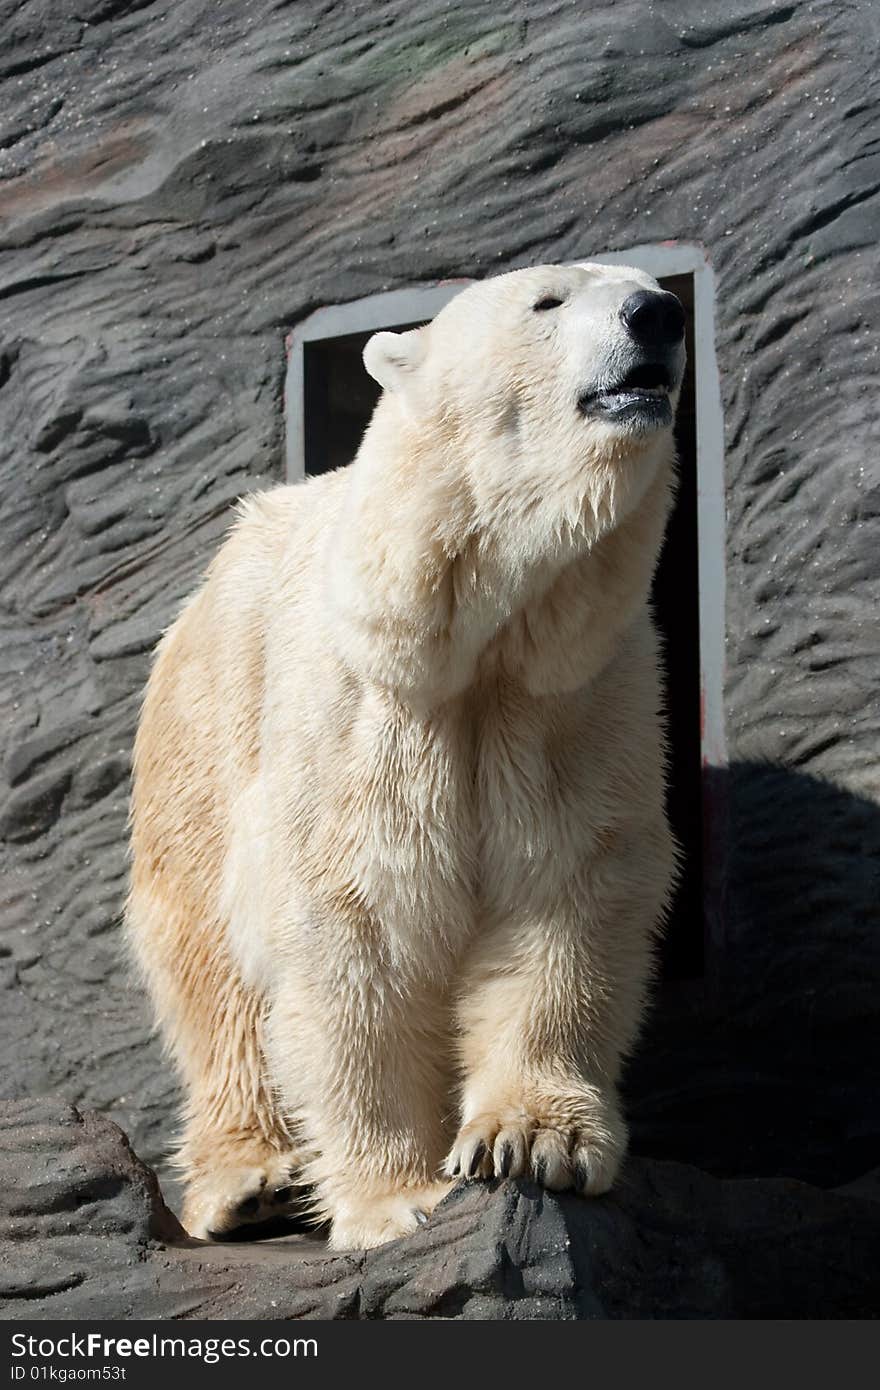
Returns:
<point x="653" y="319"/>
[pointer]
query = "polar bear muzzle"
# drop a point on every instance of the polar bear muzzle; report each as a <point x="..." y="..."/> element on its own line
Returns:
<point x="640" y="398"/>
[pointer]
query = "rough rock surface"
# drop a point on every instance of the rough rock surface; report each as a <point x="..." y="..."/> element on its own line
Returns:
<point x="85" y="1234"/>
<point x="179" y="185"/>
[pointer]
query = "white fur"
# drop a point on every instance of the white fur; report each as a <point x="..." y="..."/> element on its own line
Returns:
<point x="399" y="842"/>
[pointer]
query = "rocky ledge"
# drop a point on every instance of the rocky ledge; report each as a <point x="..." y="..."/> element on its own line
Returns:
<point x="86" y="1234"/>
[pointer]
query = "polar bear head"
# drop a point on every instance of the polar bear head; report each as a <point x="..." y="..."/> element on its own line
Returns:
<point x="556" y="383"/>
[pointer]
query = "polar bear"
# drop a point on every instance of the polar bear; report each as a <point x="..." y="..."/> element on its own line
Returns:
<point x="399" y="845"/>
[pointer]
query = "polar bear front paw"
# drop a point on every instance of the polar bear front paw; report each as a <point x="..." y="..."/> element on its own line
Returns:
<point x="226" y="1197"/>
<point x="559" y="1152"/>
<point x="359" y="1225"/>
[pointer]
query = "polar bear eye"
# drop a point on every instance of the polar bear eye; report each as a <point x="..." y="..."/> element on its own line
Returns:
<point x="548" y="302"/>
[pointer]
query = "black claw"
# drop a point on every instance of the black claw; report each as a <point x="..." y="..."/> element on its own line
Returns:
<point x="420" y="1216"/>
<point x="456" y="1171"/>
<point x="476" y="1159"/>
<point x="505" y="1159"/>
<point x="249" y="1207"/>
<point x="539" y="1168"/>
<point x="282" y="1195"/>
<point x="581" y="1173"/>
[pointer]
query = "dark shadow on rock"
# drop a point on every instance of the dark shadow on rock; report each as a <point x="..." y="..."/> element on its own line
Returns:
<point x="772" y="1067"/>
<point x="276" y="1228"/>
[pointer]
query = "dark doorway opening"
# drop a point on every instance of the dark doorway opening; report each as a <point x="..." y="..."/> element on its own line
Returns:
<point x="338" y="400"/>
<point x="339" y="396"/>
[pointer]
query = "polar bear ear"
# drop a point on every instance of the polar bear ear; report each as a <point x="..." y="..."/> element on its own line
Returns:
<point x="391" y="357"/>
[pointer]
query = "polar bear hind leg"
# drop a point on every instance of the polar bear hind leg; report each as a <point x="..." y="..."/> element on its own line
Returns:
<point x="236" y="1152"/>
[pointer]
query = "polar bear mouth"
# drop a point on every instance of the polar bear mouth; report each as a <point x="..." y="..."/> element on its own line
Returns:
<point x="642" y="393"/>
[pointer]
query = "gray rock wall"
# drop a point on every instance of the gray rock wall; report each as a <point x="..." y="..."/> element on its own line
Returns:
<point x="85" y="1234"/>
<point x="180" y="184"/>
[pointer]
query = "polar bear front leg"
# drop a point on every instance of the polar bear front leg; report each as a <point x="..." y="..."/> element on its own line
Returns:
<point x="363" y="1062"/>
<point x="548" y="1010"/>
